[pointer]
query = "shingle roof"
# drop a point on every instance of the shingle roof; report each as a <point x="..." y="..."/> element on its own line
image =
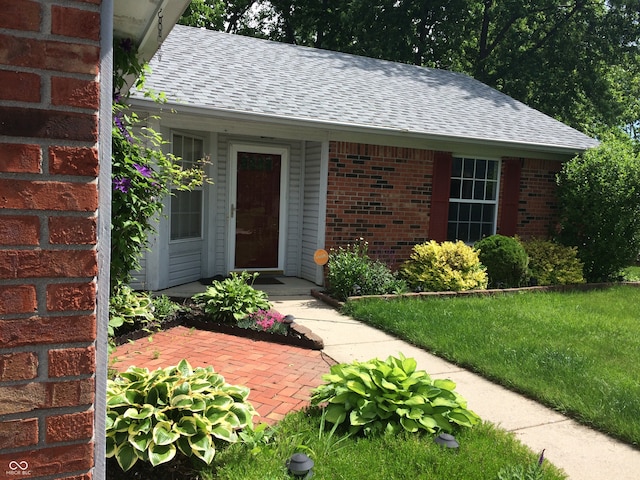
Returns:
<point x="232" y="73"/>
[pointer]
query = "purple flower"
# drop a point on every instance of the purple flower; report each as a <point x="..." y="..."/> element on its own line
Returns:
<point x="126" y="44"/>
<point x="122" y="184"/>
<point x="143" y="170"/>
<point x="117" y="119"/>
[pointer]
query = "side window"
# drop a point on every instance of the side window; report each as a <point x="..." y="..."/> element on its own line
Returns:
<point x="473" y="199"/>
<point x="186" y="207"/>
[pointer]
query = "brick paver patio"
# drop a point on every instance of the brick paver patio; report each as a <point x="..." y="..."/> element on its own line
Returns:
<point x="280" y="377"/>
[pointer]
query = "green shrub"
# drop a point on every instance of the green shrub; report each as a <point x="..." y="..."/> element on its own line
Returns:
<point x="506" y="261"/>
<point x="233" y="298"/>
<point x="553" y="264"/>
<point x="599" y="197"/>
<point x="164" y="308"/>
<point x="445" y="266"/>
<point x="352" y="272"/>
<point x="128" y="308"/>
<point x="376" y="397"/>
<point x="153" y="416"/>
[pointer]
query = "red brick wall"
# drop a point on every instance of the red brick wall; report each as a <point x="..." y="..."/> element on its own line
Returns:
<point x="383" y="195"/>
<point x="49" y="100"/>
<point x="538" y="208"/>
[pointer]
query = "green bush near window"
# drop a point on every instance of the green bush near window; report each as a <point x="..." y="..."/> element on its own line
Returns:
<point x="153" y="416"/>
<point x="553" y="264"/>
<point x="506" y="261"/>
<point x="445" y="266"/>
<point x="232" y="299"/>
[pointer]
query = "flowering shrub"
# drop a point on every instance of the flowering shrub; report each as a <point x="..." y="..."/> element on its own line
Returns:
<point x="142" y="174"/>
<point x="270" y="321"/>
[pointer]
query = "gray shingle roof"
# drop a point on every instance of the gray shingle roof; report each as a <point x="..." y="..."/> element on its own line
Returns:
<point x="220" y="71"/>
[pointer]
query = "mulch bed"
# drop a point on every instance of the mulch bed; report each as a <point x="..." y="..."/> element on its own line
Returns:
<point x="192" y="316"/>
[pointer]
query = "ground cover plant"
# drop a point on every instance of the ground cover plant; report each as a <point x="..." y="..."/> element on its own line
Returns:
<point x="485" y="452"/>
<point x="571" y="350"/>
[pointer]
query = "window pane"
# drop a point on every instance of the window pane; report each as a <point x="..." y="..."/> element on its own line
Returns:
<point x="464" y="212"/>
<point x="453" y="212"/>
<point x="481" y="169"/>
<point x="487" y="230"/>
<point x="452" y="231"/>
<point x="468" y="167"/>
<point x="456" y="167"/>
<point x="478" y="191"/>
<point x="177" y="145"/>
<point x="491" y="191"/>
<point x="492" y="170"/>
<point x="476" y="212"/>
<point x="455" y="188"/>
<point x="474" y="232"/>
<point x="467" y="189"/>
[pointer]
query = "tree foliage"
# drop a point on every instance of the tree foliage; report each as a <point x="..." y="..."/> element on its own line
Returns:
<point x="576" y="60"/>
<point x="599" y="194"/>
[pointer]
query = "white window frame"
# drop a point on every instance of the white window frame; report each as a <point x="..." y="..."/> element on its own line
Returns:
<point x="453" y="200"/>
<point x="187" y="163"/>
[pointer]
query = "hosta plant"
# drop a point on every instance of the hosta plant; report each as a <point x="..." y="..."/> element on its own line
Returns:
<point x="153" y="416"/>
<point x="389" y="396"/>
<point x="233" y="298"/>
<point x="127" y="307"/>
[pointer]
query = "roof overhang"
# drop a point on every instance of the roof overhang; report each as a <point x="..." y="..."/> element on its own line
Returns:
<point x="359" y="133"/>
<point x="139" y="19"/>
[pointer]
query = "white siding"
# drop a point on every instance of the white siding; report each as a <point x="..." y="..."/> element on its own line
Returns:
<point x="311" y="214"/>
<point x="185" y="262"/>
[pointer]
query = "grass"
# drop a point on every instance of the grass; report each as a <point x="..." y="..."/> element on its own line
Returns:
<point x="577" y="352"/>
<point x="484" y="451"/>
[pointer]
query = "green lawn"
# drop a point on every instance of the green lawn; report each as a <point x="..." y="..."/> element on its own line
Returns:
<point x="484" y="451"/>
<point x="578" y="352"/>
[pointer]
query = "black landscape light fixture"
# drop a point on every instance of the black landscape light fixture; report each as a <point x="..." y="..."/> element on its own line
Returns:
<point x="300" y="466"/>
<point x="446" y="440"/>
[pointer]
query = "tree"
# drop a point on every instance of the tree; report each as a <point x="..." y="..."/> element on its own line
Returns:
<point x="599" y="193"/>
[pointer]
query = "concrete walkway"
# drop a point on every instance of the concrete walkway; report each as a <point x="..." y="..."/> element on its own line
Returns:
<point x="582" y="453"/>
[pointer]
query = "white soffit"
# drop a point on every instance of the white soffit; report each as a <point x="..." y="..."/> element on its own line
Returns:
<point x="138" y="20"/>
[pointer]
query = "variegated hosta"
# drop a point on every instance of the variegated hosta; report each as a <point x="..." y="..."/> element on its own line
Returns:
<point x="151" y="416"/>
<point x="389" y="396"/>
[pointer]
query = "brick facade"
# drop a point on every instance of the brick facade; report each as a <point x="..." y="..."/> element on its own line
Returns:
<point x="49" y="101"/>
<point x="383" y="195"/>
<point x="538" y="207"/>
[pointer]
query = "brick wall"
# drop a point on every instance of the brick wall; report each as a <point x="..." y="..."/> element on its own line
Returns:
<point x="49" y="101"/>
<point x="538" y="208"/>
<point x="383" y="194"/>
